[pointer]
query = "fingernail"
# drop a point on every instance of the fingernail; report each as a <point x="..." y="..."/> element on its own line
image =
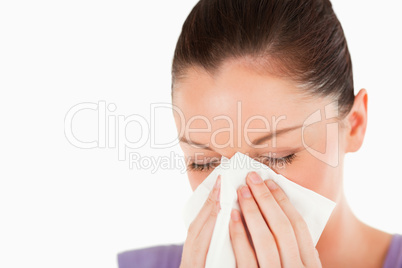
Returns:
<point x="235" y="215"/>
<point x="218" y="182"/>
<point x="271" y="185"/>
<point x="217" y="186"/>
<point x="255" y="178"/>
<point x="245" y="192"/>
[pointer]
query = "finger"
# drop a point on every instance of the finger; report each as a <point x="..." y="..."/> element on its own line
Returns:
<point x="200" y="231"/>
<point x="302" y="233"/>
<point x="203" y="240"/>
<point x="317" y="257"/>
<point x="262" y="238"/>
<point x="205" y="212"/>
<point x="200" y="244"/>
<point x="242" y="248"/>
<point x="277" y="221"/>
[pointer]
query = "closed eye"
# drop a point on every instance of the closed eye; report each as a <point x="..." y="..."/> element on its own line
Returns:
<point x="269" y="161"/>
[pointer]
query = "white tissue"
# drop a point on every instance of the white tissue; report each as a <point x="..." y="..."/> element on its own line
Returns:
<point x="314" y="208"/>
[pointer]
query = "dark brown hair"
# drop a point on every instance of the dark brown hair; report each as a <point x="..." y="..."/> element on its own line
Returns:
<point x="300" y="39"/>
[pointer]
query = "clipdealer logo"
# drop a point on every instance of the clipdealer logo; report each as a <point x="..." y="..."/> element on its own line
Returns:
<point x="112" y="132"/>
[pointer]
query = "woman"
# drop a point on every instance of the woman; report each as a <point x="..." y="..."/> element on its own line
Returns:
<point x="274" y="63"/>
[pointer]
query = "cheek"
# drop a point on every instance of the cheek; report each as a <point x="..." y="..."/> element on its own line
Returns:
<point x="319" y="165"/>
<point x="315" y="175"/>
<point x="318" y="177"/>
<point x="323" y="142"/>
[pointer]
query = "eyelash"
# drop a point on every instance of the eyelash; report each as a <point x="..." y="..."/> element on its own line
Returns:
<point x="286" y="160"/>
<point x="203" y="167"/>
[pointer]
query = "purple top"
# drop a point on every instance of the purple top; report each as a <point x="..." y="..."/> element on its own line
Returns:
<point x="394" y="255"/>
<point x="169" y="256"/>
<point x="165" y="256"/>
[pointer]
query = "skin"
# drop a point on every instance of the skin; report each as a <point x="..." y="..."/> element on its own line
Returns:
<point x="277" y="234"/>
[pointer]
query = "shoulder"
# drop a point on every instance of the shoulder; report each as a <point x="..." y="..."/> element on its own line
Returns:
<point x="394" y="254"/>
<point x="162" y="256"/>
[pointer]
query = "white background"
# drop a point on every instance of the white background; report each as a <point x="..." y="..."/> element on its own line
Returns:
<point x="61" y="206"/>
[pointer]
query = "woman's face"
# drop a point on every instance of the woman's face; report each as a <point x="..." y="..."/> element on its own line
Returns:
<point x="237" y="108"/>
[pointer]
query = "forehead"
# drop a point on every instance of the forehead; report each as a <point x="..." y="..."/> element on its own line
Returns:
<point x="240" y="93"/>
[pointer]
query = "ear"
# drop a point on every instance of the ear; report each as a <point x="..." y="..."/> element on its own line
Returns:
<point x="357" y="122"/>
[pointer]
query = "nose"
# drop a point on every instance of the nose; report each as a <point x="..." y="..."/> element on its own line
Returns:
<point x="230" y="152"/>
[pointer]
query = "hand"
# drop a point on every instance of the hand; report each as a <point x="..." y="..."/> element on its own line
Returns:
<point x="200" y="231"/>
<point x="279" y="235"/>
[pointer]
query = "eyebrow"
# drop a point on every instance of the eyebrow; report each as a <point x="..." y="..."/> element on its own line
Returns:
<point x="254" y="142"/>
